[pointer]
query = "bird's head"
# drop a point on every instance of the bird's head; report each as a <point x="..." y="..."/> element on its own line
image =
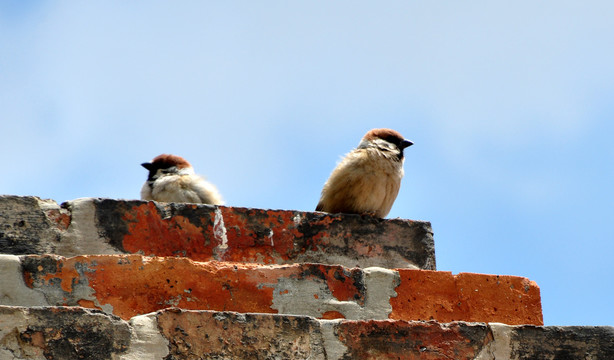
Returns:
<point x="387" y="140"/>
<point x="167" y="164"/>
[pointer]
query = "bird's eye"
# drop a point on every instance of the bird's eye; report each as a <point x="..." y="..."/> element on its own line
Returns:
<point x="170" y="170"/>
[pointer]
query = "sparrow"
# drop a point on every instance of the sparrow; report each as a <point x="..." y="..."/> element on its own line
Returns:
<point x="172" y="179"/>
<point x="367" y="180"/>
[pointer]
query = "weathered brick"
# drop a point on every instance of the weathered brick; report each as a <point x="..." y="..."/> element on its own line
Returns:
<point x="29" y="225"/>
<point x="562" y="342"/>
<point x="226" y="335"/>
<point x="441" y="296"/>
<point x="127" y="285"/>
<point x="61" y="333"/>
<point x="203" y="233"/>
<point x="377" y="339"/>
<point x="74" y="332"/>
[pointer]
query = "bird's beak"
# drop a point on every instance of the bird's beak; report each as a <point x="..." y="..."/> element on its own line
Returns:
<point x="406" y="143"/>
<point x="146" y="166"/>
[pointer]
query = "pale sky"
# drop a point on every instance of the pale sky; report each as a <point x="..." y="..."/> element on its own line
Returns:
<point x="510" y="107"/>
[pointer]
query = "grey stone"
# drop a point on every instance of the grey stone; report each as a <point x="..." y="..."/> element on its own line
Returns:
<point x="78" y="333"/>
<point x="13" y="289"/>
<point x="562" y="342"/>
<point x="61" y="333"/>
<point x="26" y="227"/>
<point x="228" y="335"/>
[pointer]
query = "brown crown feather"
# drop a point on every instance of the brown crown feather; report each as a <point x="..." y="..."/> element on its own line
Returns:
<point x="165" y="161"/>
<point x="384" y="134"/>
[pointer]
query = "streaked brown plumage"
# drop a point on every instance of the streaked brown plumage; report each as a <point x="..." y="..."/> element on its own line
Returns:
<point x="368" y="178"/>
<point x="172" y="179"/>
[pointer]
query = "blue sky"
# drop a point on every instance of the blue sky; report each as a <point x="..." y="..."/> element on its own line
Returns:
<point x="510" y="106"/>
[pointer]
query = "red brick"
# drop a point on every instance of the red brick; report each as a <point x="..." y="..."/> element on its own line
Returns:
<point x="441" y="296"/>
<point x="388" y="339"/>
<point x="149" y="233"/>
<point x="133" y="284"/>
<point x="262" y="236"/>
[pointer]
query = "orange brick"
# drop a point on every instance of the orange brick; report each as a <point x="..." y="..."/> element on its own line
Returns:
<point x="203" y="233"/>
<point x="133" y="284"/>
<point x="441" y="296"/>
<point x="129" y="285"/>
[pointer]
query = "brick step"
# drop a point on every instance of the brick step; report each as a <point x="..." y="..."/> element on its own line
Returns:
<point x="79" y="333"/>
<point x="130" y="285"/>
<point x="29" y="225"/>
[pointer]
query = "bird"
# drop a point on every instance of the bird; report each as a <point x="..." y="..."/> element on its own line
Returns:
<point x="172" y="179"/>
<point x="368" y="178"/>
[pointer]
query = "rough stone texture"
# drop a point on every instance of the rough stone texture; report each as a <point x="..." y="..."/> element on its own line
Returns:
<point x="129" y="285"/>
<point x="217" y="335"/>
<point x="201" y="232"/>
<point x="78" y="333"/>
<point x="29" y="225"/>
<point x="558" y="342"/>
<point x="60" y="333"/>
<point x="411" y="340"/>
<point x="387" y="339"/>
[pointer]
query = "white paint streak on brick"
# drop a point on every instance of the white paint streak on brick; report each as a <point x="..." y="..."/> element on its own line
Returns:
<point x="146" y="342"/>
<point x="219" y="231"/>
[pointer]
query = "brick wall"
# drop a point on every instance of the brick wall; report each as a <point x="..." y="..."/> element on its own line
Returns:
<point x="115" y="279"/>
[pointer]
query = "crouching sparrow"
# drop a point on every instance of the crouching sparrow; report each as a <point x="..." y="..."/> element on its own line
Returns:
<point x="367" y="180"/>
<point x="172" y="179"/>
